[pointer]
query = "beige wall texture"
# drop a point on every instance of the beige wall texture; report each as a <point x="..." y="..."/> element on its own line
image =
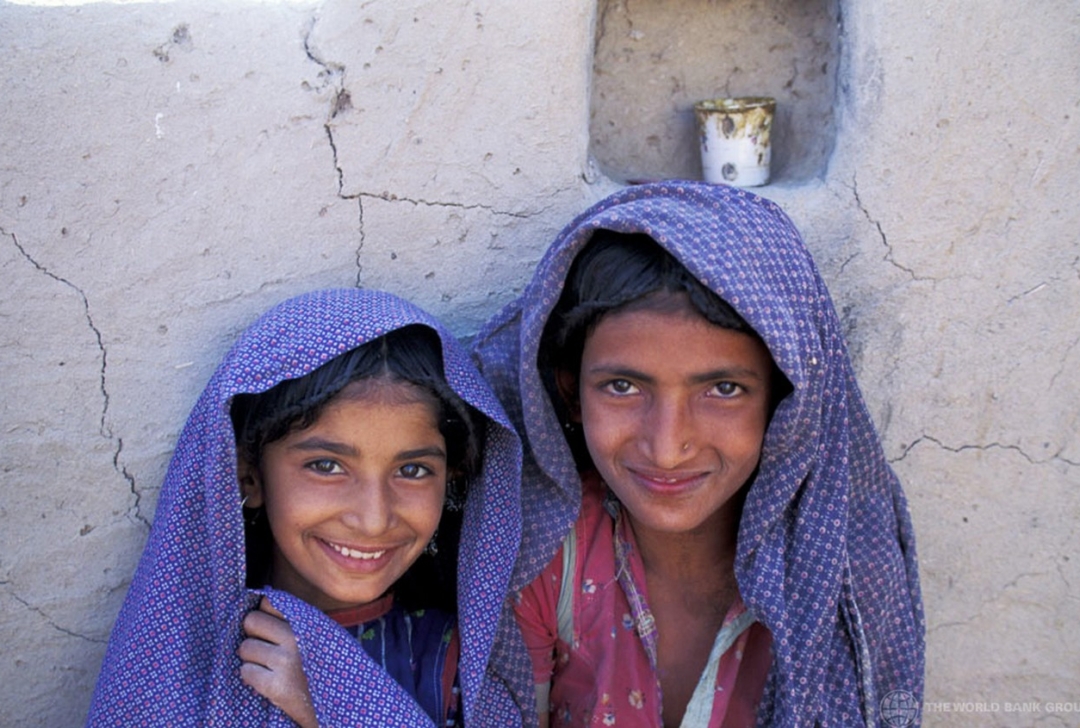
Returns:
<point x="169" y="170"/>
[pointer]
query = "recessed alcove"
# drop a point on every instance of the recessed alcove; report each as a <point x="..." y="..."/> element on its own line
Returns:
<point x="654" y="59"/>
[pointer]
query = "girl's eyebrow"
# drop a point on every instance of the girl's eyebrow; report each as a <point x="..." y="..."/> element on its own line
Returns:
<point x="424" y="452"/>
<point x="732" y="372"/>
<point x="619" y="371"/>
<point x="321" y="444"/>
<point x="726" y="373"/>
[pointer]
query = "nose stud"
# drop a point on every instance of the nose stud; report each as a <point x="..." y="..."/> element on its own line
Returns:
<point x="685" y="446"/>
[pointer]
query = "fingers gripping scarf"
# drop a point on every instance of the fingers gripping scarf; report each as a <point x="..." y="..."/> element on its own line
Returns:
<point x="172" y="661"/>
<point x="826" y="556"/>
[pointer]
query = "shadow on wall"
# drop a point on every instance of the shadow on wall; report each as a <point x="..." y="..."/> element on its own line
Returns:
<point x="654" y="59"/>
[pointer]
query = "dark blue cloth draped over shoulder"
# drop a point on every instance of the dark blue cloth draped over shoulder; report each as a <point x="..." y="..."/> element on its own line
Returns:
<point x="171" y="659"/>
<point x="826" y="554"/>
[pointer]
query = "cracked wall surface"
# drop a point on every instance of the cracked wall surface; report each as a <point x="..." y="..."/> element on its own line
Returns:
<point x="170" y="170"/>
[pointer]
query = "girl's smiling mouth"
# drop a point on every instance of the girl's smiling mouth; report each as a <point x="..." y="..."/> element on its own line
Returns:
<point x="366" y="562"/>
<point x="355" y="553"/>
<point x="668" y="482"/>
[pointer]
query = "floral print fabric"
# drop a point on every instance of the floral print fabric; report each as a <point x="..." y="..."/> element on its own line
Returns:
<point x="606" y="674"/>
<point x="418" y="648"/>
<point x="826" y="551"/>
<point x="171" y="659"/>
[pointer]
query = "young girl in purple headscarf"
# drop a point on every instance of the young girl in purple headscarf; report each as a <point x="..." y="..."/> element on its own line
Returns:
<point x="712" y="534"/>
<point x="349" y="441"/>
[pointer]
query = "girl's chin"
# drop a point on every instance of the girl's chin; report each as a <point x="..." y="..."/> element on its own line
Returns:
<point x="343" y="597"/>
<point x="341" y="582"/>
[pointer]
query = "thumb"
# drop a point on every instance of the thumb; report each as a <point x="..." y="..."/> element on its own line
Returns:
<point x="266" y="606"/>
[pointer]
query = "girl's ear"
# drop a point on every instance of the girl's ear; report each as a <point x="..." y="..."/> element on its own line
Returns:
<point x="567" y="384"/>
<point x="250" y="483"/>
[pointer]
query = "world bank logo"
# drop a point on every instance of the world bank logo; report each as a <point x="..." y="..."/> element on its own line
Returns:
<point x="899" y="709"/>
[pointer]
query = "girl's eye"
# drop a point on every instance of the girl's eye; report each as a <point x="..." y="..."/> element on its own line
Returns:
<point x="620" y="387"/>
<point x="325" y="466"/>
<point x="415" y="471"/>
<point x="726" y="389"/>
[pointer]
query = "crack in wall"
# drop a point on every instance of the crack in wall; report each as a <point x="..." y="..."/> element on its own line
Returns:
<point x="1015" y="581"/>
<point x="881" y="232"/>
<point x="1061" y="574"/>
<point x="997" y="594"/>
<point x="332" y="76"/>
<point x="847" y="261"/>
<point x="390" y="197"/>
<point x="136" y="510"/>
<point x="49" y="621"/>
<point x="982" y="448"/>
<point x="1065" y="361"/>
<point x="360" y="246"/>
<point x="1054" y="281"/>
<point x="103" y="427"/>
<point x="1028" y="292"/>
<point x="956" y="449"/>
<point x="337" y="167"/>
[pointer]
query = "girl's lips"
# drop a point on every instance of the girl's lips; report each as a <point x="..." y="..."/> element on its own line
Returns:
<point x="356" y="553"/>
<point x="668" y="482"/>
<point x="366" y="559"/>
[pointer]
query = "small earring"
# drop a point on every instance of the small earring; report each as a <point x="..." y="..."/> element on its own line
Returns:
<point x="254" y="517"/>
<point x="432" y="548"/>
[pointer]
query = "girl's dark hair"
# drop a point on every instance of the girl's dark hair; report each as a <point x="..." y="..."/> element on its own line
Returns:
<point x="624" y="272"/>
<point x="412" y="355"/>
<point x="620" y="271"/>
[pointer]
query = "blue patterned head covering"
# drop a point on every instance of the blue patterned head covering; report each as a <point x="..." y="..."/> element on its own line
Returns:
<point x="826" y="554"/>
<point x="172" y="661"/>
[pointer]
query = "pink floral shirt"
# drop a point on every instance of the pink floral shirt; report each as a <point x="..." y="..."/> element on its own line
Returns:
<point x="605" y="676"/>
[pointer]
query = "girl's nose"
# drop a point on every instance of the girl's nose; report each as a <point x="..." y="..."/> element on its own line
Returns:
<point x="367" y="506"/>
<point x="669" y="433"/>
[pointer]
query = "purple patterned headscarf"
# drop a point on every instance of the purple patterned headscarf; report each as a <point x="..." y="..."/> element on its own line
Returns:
<point x="172" y="661"/>
<point x="826" y="553"/>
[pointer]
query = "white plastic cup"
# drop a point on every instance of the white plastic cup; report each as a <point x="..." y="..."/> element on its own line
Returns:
<point x="736" y="147"/>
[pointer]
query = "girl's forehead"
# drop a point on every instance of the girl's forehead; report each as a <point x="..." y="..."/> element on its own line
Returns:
<point x="671" y="324"/>
<point x="676" y="304"/>
<point x="647" y="326"/>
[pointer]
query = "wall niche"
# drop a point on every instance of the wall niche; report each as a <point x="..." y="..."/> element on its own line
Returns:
<point x="654" y="59"/>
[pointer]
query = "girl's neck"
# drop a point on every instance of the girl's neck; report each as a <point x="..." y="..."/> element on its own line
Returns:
<point x="352" y="616"/>
<point x="702" y="556"/>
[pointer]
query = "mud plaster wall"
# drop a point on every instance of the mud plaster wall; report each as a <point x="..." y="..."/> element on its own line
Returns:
<point x="168" y="171"/>
<point x="654" y="60"/>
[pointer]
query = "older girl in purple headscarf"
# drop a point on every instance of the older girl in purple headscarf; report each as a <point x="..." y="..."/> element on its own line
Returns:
<point x="712" y="534"/>
<point x="349" y="439"/>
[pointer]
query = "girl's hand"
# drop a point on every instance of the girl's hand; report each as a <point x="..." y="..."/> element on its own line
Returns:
<point x="271" y="664"/>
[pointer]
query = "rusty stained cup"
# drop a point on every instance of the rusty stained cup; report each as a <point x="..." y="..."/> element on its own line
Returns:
<point x="736" y="147"/>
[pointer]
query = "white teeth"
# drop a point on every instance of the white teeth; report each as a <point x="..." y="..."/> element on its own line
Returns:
<point x="354" y="554"/>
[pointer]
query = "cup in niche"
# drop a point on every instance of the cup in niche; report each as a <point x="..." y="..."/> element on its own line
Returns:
<point x="736" y="143"/>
